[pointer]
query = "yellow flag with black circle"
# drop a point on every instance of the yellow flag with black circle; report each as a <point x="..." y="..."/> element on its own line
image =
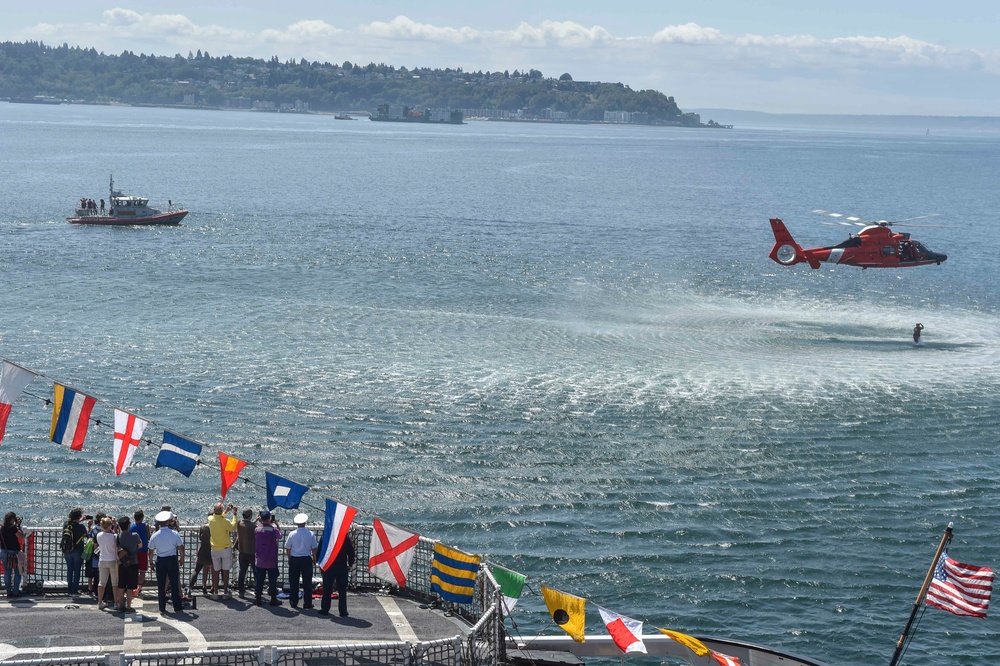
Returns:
<point x="567" y="611"/>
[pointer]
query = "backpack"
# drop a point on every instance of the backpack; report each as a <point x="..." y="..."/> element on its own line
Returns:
<point x="89" y="548"/>
<point x="124" y="557"/>
<point x="66" y="545"/>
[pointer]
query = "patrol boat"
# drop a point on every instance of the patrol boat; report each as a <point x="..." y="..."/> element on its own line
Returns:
<point x="125" y="210"/>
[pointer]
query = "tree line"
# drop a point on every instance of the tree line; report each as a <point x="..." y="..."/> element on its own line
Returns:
<point x="84" y="75"/>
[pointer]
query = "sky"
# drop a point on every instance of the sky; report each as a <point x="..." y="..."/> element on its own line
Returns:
<point x="913" y="57"/>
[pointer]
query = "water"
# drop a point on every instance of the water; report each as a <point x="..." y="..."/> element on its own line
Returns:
<point x="563" y="347"/>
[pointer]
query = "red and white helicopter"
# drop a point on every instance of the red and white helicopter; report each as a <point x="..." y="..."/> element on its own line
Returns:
<point x="875" y="246"/>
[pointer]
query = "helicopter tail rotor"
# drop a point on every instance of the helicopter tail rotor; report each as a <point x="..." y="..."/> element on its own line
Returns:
<point x="785" y="250"/>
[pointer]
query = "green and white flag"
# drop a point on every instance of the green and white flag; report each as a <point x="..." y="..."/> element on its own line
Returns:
<point x="511" y="584"/>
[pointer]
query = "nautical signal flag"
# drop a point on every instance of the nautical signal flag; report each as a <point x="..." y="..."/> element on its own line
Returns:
<point x="959" y="588"/>
<point x="179" y="453"/>
<point x="625" y="631"/>
<point x="392" y="549"/>
<point x="511" y="585"/>
<point x="569" y="612"/>
<point x="282" y="492"/>
<point x="128" y="434"/>
<point x="690" y="642"/>
<point x="230" y="468"/>
<point x="453" y="574"/>
<point x="70" y="417"/>
<point x="338" y="523"/>
<point x="13" y="380"/>
<point x="725" y="659"/>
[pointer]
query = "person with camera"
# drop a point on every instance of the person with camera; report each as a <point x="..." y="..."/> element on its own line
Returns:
<point x="266" y="537"/>
<point x="10" y="549"/>
<point x="222" y="548"/>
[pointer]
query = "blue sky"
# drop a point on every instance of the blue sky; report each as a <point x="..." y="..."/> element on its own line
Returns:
<point x="818" y="56"/>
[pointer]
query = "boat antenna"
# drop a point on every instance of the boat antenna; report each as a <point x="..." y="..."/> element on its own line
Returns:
<point x="945" y="540"/>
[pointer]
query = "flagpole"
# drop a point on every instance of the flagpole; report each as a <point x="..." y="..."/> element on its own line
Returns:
<point x="945" y="538"/>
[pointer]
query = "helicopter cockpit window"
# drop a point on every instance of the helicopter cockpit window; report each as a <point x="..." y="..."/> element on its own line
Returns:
<point x="853" y="241"/>
<point x="888" y="251"/>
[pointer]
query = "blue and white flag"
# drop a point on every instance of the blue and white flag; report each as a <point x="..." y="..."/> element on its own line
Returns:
<point x="282" y="492"/>
<point x="178" y="453"/>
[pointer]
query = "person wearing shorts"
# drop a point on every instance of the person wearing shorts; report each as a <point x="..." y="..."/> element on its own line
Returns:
<point x="140" y="528"/>
<point x="222" y="547"/>
<point x="128" y="574"/>
<point x="107" y="565"/>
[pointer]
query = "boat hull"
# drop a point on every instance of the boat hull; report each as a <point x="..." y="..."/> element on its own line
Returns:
<point x="174" y="217"/>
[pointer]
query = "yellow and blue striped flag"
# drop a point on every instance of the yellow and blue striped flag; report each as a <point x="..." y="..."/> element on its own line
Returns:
<point x="453" y="574"/>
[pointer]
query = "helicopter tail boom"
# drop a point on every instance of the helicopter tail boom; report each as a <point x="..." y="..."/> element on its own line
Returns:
<point x="785" y="250"/>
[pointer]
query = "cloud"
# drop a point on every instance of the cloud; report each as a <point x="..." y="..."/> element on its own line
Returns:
<point x="404" y="28"/>
<point x="566" y="34"/>
<point x="689" y="33"/>
<point x="303" y="32"/>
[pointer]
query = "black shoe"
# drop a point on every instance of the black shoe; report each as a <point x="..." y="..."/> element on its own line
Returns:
<point x="307" y="606"/>
<point x="275" y="601"/>
<point x="323" y="613"/>
<point x="256" y="601"/>
<point x="295" y="606"/>
<point x="344" y="614"/>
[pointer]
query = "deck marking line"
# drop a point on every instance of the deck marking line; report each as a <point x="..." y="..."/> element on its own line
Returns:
<point x="399" y="622"/>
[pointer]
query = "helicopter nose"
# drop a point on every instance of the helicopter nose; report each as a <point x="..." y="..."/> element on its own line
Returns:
<point x="940" y="258"/>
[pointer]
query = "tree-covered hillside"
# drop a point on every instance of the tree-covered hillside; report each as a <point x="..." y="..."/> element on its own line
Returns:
<point x="84" y="75"/>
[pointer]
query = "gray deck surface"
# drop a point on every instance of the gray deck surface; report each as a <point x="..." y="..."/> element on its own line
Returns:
<point x="59" y="625"/>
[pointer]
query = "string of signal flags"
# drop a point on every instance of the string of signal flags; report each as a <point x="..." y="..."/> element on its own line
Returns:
<point x="453" y="572"/>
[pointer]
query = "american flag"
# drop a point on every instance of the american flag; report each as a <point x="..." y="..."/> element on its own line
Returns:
<point x="959" y="588"/>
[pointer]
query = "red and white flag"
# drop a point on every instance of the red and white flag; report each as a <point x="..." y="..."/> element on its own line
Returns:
<point x="725" y="659"/>
<point x="625" y="632"/>
<point x="128" y="434"/>
<point x="392" y="550"/>
<point x="13" y="380"/>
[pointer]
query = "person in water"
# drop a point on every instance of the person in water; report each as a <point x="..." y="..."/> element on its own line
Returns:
<point x="916" y="333"/>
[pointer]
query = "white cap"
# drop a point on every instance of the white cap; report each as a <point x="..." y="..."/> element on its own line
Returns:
<point x="163" y="516"/>
<point x="300" y="519"/>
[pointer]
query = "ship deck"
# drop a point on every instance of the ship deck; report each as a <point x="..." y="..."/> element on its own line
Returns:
<point x="58" y="625"/>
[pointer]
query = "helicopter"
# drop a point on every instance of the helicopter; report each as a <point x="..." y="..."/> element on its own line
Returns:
<point x="875" y="246"/>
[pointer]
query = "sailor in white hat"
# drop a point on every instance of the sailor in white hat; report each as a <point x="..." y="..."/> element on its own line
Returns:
<point x="169" y="548"/>
<point x="301" y="547"/>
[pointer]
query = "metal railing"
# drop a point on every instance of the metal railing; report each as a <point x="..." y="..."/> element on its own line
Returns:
<point x="483" y="646"/>
<point x="379" y="652"/>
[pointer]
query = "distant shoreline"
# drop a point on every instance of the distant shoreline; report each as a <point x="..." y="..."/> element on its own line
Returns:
<point x="304" y="112"/>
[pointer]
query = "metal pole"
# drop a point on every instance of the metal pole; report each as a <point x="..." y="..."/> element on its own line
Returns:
<point x="945" y="538"/>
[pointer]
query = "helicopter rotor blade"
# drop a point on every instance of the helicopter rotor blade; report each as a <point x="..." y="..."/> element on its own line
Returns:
<point x="919" y="217"/>
<point x="851" y="220"/>
<point x="846" y="220"/>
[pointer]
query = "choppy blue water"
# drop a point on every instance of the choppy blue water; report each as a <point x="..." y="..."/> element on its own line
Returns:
<point x="564" y="347"/>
